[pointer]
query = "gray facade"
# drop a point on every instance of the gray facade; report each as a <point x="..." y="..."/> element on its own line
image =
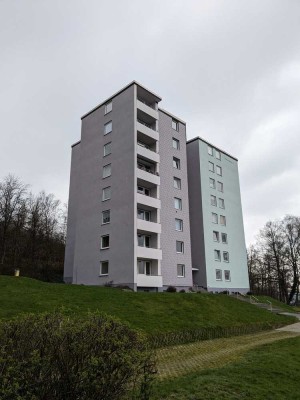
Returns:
<point x="135" y="241"/>
<point x="218" y="243"/>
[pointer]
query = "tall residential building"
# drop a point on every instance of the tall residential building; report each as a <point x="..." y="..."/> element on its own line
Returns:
<point x="128" y="219"/>
<point x="217" y="233"/>
<point x="131" y="202"/>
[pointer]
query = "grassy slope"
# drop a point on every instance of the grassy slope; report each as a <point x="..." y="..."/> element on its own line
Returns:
<point x="151" y="312"/>
<point x="269" y="372"/>
<point x="276" y="303"/>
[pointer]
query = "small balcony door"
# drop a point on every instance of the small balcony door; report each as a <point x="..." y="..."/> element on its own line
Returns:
<point x="144" y="267"/>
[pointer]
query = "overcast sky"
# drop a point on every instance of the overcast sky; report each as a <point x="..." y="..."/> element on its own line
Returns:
<point x="230" y="69"/>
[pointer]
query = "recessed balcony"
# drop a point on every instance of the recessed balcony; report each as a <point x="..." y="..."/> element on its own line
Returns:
<point x="146" y="108"/>
<point x="147" y="175"/>
<point x="149" y="280"/>
<point x="148" y="253"/>
<point x="149" y="201"/>
<point x="146" y="129"/>
<point x="145" y="152"/>
<point x="148" y="226"/>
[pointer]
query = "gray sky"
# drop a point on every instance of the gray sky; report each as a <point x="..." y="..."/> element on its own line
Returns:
<point x="230" y="69"/>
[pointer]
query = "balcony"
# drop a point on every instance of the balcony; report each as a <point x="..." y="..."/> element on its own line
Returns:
<point x="149" y="280"/>
<point x="148" y="201"/>
<point x="148" y="253"/>
<point x="144" y="151"/>
<point x="148" y="226"/>
<point x="146" y="129"/>
<point x="147" y="175"/>
<point x="146" y="108"/>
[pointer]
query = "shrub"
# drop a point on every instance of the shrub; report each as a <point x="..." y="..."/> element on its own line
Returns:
<point x="53" y="357"/>
<point x="182" y="291"/>
<point x="171" y="289"/>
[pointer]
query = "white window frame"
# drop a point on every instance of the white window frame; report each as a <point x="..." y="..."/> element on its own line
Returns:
<point x="177" y="183"/>
<point x="101" y="266"/>
<point x="220" y="271"/>
<point x="106" y="172"/>
<point x="103" y="213"/>
<point x="218" y="170"/>
<point x="103" y="193"/>
<point x="180" y="273"/>
<point x="214" y="220"/>
<point x="175" y="125"/>
<point x="108" y="107"/>
<point x="181" y="244"/>
<point x="107" y="247"/>
<point x="143" y="213"/>
<point x="176" y="142"/>
<point x="217" y="255"/>
<point x="143" y="191"/>
<point x="180" y="221"/>
<point x="213" y="200"/>
<point x="220" y="186"/>
<point x="221" y="203"/>
<point x="176" y="163"/>
<point x="144" y="237"/>
<point x="212" y="183"/>
<point x="224" y="220"/>
<point x="178" y="201"/>
<point x="226" y="252"/>
<point x="142" y="266"/>
<point x="217" y="152"/>
<point x="223" y="233"/>
<point x="107" y="126"/>
<point x="229" y="278"/>
<point x="211" y="166"/>
<point x="210" y="150"/>
<point x="105" y="147"/>
<point x="216" y="236"/>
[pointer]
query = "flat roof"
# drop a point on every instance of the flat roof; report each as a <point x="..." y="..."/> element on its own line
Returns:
<point x="210" y="144"/>
<point x="172" y="116"/>
<point x="158" y="98"/>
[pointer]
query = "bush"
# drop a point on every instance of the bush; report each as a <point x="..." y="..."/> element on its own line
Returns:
<point x="171" y="289"/>
<point x="51" y="357"/>
<point x="182" y="291"/>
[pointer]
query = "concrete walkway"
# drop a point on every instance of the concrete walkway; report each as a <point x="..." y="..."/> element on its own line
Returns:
<point x="295" y="328"/>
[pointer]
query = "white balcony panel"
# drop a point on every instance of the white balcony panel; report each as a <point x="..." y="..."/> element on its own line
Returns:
<point x="149" y="154"/>
<point x="148" y="253"/>
<point x="148" y="226"/>
<point x="147" y="131"/>
<point x="149" y="280"/>
<point x="147" y="176"/>
<point x="148" y="201"/>
<point x="146" y="109"/>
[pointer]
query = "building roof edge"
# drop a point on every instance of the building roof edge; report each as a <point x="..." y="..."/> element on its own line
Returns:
<point x="211" y="144"/>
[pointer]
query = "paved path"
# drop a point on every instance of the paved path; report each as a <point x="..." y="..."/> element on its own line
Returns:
<point x="178" y="360"/>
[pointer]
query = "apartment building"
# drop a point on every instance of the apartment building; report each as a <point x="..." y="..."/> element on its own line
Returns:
<point x="128" y="217"/>
<point x="219" y="257"/>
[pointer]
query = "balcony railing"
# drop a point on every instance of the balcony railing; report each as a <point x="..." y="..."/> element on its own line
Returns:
<point x="145" y="146"/>
<point x="145" y="123"/>
<point x="146" y="102"/>
<point x="146" y="169"/>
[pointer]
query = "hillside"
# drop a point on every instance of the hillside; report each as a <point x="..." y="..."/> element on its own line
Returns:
<point x="151" y="312"/>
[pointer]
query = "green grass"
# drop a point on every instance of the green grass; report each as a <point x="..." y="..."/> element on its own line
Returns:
<point x="268" y="372"/>
<point x="277" y="303"/>
<point x="151" y="312"/>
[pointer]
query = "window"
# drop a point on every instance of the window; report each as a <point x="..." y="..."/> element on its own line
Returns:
<point x="212" y="183"/>
<point x="225" y="256"/>
<point x="144" y="267"/>
<point x="220" y="187"/>
<point x="177" y="183"/>
<point x="143" y="214"/>
<point x="218" y="154"/>
<point x="214" y="218"/>
<point x="174" y="124"/>
<point x="217" y="254"/>
<point x="178" y="224"/>
<point x="211" y="166"/>
<point x="218" y="274"/>
<point x="179" y="247"/>
<point x="106" y="217"/>
<point x="216" y="236"/>
<point x="106" y="193"/>
<point x="180" y="270"/>
<point x="107" y="149"/>
<point x="218" y="170"/>
<point x="176" y="144"/>
<point x="227" y="275"/>
<point x="210" y="150"/>
<point x="105" y="242"/>
<point x="176" y="163"/>
<point x="143" y="190"/>
<point x="108" y="107"/>
<point x="213" y="200"/>
<point x="143" y="240"/>
<point x="224" y="237"/>
<point x="107" y="128"/>
<point x="104" y="268"/>
<point x="221" y="203"/>
<point x="106" y="171"/>
<point x="222" y="220"/>
<point x="177" y="203"/>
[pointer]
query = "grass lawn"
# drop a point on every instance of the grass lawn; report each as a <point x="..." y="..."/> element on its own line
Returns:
<point x="268" y="372"/>
<point x="276" y="303"/>
<point x="151" y="312"/>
